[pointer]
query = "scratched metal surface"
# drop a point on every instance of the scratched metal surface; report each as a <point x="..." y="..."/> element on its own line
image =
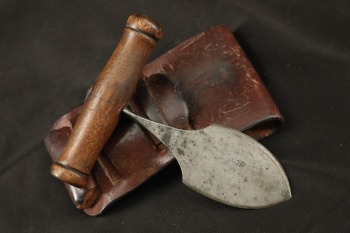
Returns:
<point x="224" y="164"/>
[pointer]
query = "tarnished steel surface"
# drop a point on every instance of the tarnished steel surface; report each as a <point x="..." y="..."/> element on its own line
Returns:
<point x="224" y="164"/>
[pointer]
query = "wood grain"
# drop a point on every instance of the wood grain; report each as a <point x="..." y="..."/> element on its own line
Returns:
<point x="109" y="95"/>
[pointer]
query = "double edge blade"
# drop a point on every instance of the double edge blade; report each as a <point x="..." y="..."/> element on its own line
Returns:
<point x="224" y="164"/>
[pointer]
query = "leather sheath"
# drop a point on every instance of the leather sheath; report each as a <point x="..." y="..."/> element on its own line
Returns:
<point x="205" y="80"/>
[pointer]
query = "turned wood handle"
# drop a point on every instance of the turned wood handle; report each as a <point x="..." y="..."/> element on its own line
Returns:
<point x="108" y="97"/>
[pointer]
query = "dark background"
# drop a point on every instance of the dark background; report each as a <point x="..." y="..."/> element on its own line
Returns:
<point x="51" y="51"/>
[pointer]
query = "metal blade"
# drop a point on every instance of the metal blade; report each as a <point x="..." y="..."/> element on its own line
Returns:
<point x="224" y="164"/>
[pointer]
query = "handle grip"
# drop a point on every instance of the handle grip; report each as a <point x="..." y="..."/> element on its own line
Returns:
<point x="111" y="92"/>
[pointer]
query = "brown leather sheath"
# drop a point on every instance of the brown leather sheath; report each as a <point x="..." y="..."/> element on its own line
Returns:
<point x="205" y="80"/>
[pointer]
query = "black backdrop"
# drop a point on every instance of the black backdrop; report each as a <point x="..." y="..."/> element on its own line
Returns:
<point x="51" y="51"/>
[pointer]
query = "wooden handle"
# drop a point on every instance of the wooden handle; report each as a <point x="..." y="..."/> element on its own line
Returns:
<point x="108" y="97"/>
